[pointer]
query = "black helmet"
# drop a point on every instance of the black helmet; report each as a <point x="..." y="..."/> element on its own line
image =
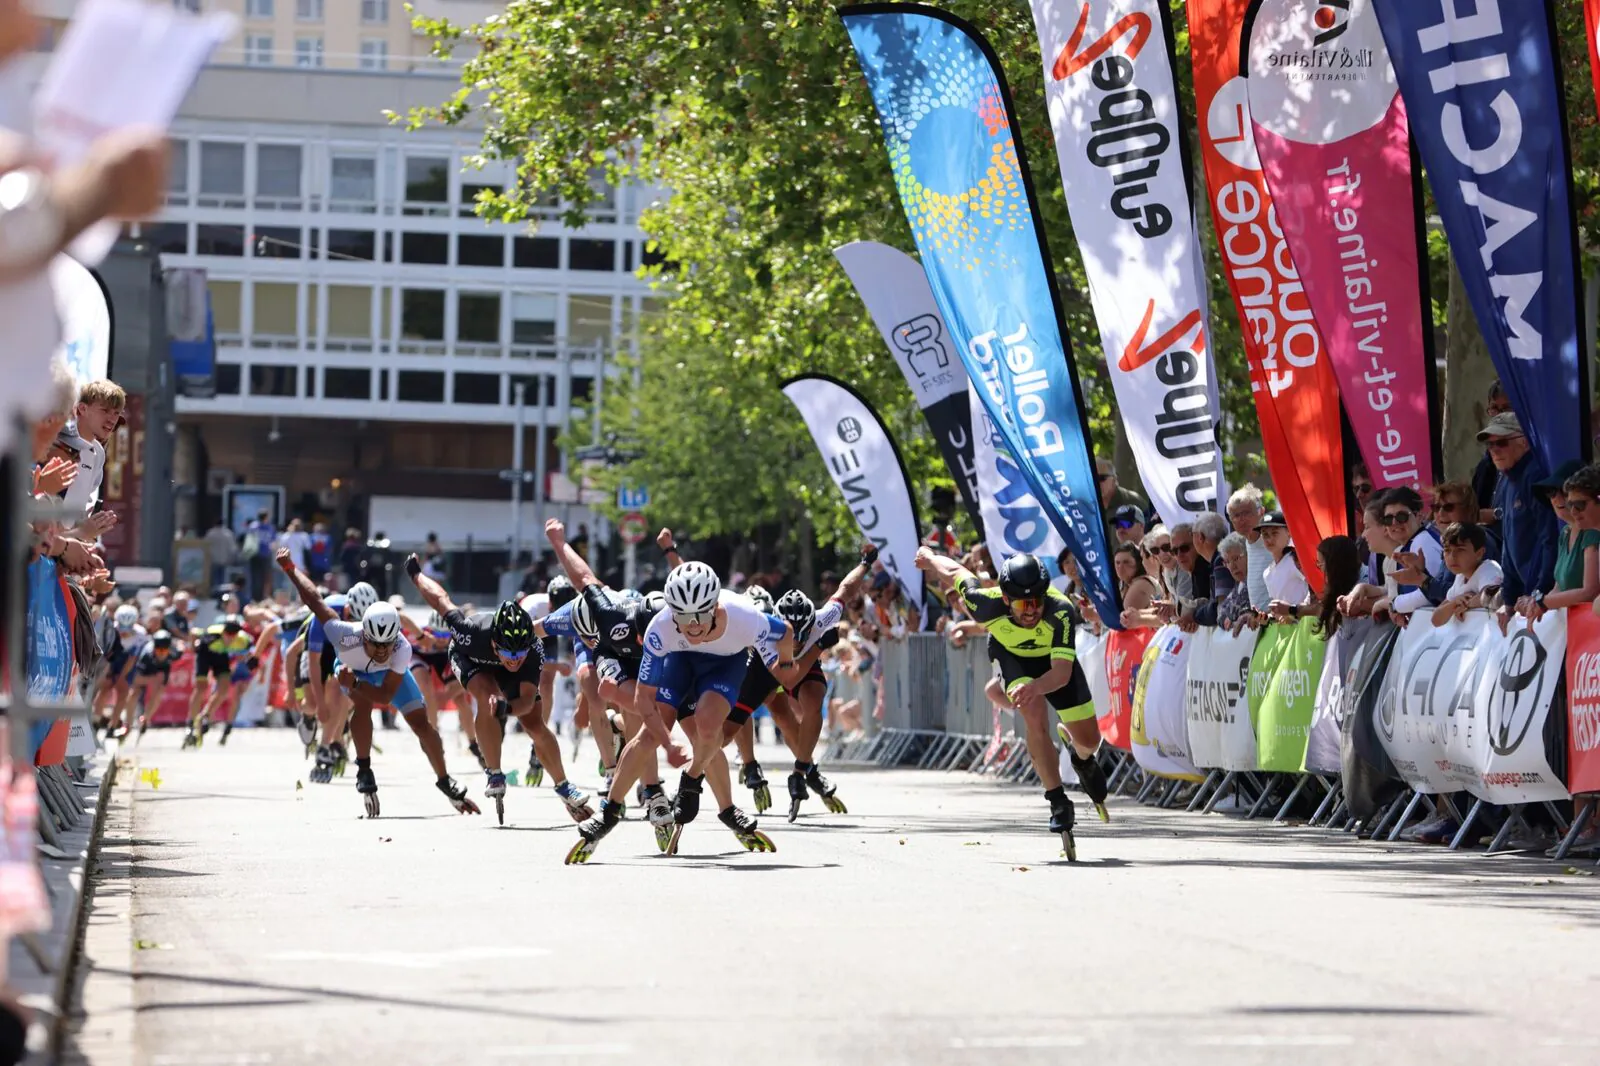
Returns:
<point x="161" y="639"/>
<point x="232" y="624"/>
<point x="561" y="592"/>
<point x="1022" y="577"/>
<point x="512" y="630"/>
<point x="796" y="608"/>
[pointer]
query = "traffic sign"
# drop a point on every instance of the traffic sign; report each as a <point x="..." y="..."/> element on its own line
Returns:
<point x="631" y="527"/>
<point x="632" y="499"/>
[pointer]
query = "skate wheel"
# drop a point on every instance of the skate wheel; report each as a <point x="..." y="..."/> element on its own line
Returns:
<point x="581" y="814"/>
<point x="1069" y="847"/>
<point x="1100" y="809"/>
<point x="757" y="841"/>
<point x="371" y="800"/>
<point x="835" y="804"/>
<point x="500" y="809"/>
<point x="580" y="852"/>
<point x="794" y="809"/>
<point x="663" y="838"/>
<point x="674" y="835"/>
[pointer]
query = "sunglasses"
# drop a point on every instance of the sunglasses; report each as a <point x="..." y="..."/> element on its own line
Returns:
<point x="1501" y="443"/>
<point x="1162" y="549"/>
<point x="1399" y="519"/>
<point x="697" y="618"/>
<point x="1102" y="478"/>
<point x="1183" y="549"/>
<point x="1578" y="503"/>
<point x="1124" y="523"/>
<point x="1362" y="489"/>
<point x="1027" y="603"/>
<point x="512" y="656"/>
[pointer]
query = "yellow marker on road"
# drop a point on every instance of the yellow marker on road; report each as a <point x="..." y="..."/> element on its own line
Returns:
<point x="151" y="777"/>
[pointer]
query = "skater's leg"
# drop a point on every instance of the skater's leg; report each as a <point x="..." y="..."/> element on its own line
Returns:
<point x="547" y="692"/>
<point x="809" y="729"/>
<point x="1038" y="719"/>
<point x="428" y="737"/>
<point x="486" y="728"/>
<point x="1085" y="735"/>
<point x="718" y="778"/>
<point x="546" y="745"/>
<point x="744" y="741"/>
<point x="705" y="731"/>
<point x="361" y="728"/>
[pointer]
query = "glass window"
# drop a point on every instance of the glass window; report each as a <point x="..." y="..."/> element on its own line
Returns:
<point x="350" y="311"/>
<point x="469" y="197"/>
<point x="221" y="168"/>
<point x="178" y="172"/>
<point x="420" y="386"/>
<point x="220" y="240"/>
<point x="427" y="180"/>
<point x="226" y="302"/>
<point x="308" y="10"/>
<point x="425" y="248"/>
<point x="258" y="50"/>
<point x="480" y="251"/>
<point x="169" y="237"/>
<point x="588" y="319"/>
<point x="478" y="317"/>
<point x="540" y="389"/>
<point x="277" y="307"/>
<point x="274" y="381"/>
<point x="604" y="209"/>
<point x="353" y="178"/>
<point x="308" y="51"/>
<point x="227" y="379"/>
<point x="477" y="388"/>
<point x="593" y="254"/>
<point x="582" y="389"/>
<point x="374" y="10"/>
<point x="422" y="314"/>
<point x="278" y="171"/>
<point x="258" y="9"/>
<point x="275" y="242"/>
<point x="346" y="383"/>
<point x="357" y="244"/>
<point x="536" y="253"/>
<point x="374" y="55"/>
<point x="533" y="318"/>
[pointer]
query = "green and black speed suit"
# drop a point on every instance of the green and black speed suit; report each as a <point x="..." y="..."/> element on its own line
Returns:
<point x="1026" y="654"/>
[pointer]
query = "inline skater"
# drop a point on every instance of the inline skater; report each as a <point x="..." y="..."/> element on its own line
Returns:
<point x="692" y="667"/>
<point x="557" y="594"/>
<point x="147" y="680"/>
<point x="430" y="664"/>
<point x="496" y="659"/>
<point x="1030" y="638"/>
<point x="224" y="660"/>
<point x="127" y="637"/>
<point x="331" y="703"/>
<point x="374" y="669"/>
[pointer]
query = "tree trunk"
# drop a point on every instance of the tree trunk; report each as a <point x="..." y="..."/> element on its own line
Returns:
<point x="1468" y="373"/>
<point x="805" y="577"/>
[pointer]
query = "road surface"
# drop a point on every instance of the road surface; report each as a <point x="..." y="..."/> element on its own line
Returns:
<point x="933" y="924"/>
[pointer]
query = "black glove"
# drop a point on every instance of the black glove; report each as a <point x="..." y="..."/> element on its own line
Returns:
<point x="253" y="662"/>
<point x="828" y="639"/>
<point x="413" y="566"/>
<point x="869" y="555"/>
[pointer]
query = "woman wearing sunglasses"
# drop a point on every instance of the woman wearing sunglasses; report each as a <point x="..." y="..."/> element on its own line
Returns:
<point x="1030" y="639"/>
<point x="1571" y="491"/>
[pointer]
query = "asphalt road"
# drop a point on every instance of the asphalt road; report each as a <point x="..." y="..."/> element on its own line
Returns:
<point x="933" y="924"/>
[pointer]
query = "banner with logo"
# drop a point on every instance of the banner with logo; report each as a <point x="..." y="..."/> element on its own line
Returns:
<point x="1160" y="732"/>
<point x="1113" y="102"/>
<point x="867" y="467"/>
<point x="898" y="298"/>
<point x="1583" y="697"/>
<point x="1221" y="735"/>
<point x="1284" y="674"/>
<point x="1091" y="651"/>
<point x="1325" y="741"/>
<point x="1335" y="149"/>
<point x="1124" y="656"/>
<point x="1486" y="110"/>
<point x="1013" y="518"/>
<point x="1367" y="776"/>
<point x="961" y="172"/>
<point x="1297" y="398"/>
<point x="191" y="331"/>
<point x="84" y="310"/>
<point x="50" y="660"/>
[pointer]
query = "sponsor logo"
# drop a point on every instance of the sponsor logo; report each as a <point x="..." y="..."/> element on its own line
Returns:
<point x="1519" y="693"/>
<point x="1331" y="20"/>
<point x="921" y="341"/>
<point x="1585" y="726"/>
<point x="849" y="430"/>
<point x="1219" y="701"/>
<point x="656" y="644"/>
<point x="620" y="631"/>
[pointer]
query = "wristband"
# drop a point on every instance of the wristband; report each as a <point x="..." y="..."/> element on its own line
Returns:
<point x="869" y="555"/>
<point x="671" y="549"/>
<point x="413" y="567"/>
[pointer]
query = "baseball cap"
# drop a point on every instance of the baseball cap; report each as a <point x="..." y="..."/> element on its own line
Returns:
<point x="1128" y="513"/>
<point x="1504" y="424"/>
<point x="1272" y="518"/>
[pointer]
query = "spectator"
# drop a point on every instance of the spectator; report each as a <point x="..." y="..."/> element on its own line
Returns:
<point x="1457" y="501"/>
<point x="1416" y="554"/>
<point x="1287" y="589"/>
<point x="1064" y="582"/>
<point x="375" y="564"/>
<point x="1180" y="579"/>
<point x="1361" y="484"/>
<point x="580" y="542"/>
<point x="895" y="616"/>
<point x="321" y="555"/>
<point x="1113" y="496"/>
<point x="433" y="558"/>
<point x="1486" y="476"/>
<point x="259" y="537"/>
<point x="1527" y="525"/>
<point x="1339" y="558"/>
<point x="1473" y="572"/>
<point x="1139" y="593"/>
<point x="223" y="549"/>
<point x="1127" y="525"/>
<point x="1235" y="610"/>
<point x="1212" y="579"/>
<point x="95" y="418"/>
<point x="350" y="556"/>
<point x="295" y="538"/>
<point x="1245" y="508"/>
<point x="1572" y="493"/>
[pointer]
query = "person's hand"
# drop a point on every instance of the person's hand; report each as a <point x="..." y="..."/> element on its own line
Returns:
<point x="1281" y="611"/>
<point x="1026" y="692"/>
<point x="1503" y="616"/>
<point x="555" y="530"/>
<point x="130" y="169"/>
<point x="78" y="558"/>
<point x="665" y="539"/>
<point x="98" y="524"/>
<point x="1167" y="610"/>
<point x="1188" y="624"/>
<point x="958" y="637"/>
<point x="924" y="558"/>
<point x="1380" y="610"/>
<point x="98" y="583"/>
<point x="1401" y="620"/>
<point x="55" y="476"/>
<point x="869" y="554"/>
<point x="676" y="756"/>
<point x="346" y="677"/>
<point x="285" y="560"/>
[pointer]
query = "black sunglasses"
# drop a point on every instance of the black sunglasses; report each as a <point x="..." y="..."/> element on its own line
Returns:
<point x="1399" y="519"/>
<point x="1124" y="523"/>
<point x="1183" y="549"/>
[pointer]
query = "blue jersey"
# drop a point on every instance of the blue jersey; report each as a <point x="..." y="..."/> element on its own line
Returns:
<point x="558" y="623"/>
<point x="316" y="640"/>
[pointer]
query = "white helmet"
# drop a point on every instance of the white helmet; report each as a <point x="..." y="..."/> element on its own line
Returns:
<point x="381" y="624"/>
<point x="692" y="589"/>
<point x="435" y="621"/>
<point x="127" y="616"/>
<point x="762" y="598"/>
<point x="360" y="597"/>
<point x="584" y="622"/>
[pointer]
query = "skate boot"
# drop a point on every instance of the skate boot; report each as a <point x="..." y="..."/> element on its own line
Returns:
<point x="1090" y="775"/>
<point x="477" y="753"/>
<point x="797" y="793"/>
<point x="1062" y="818"/>
<point x="751" y="777"/>
<point x="617" y="744"/>
<point x="322" y="772"/>
<point x="190" y="739"/>
<point x="227" y="731"/>
<point x="826" y="789"/>
<point x="337" y="754"/>
<point x="367" y="785"/>
<point x="659" y="812"/>
<point x="456" y="795"/>
<point x="593" y="831"/>
<point x="685" y="806"/>
<point x="306" y="729"/>
<point x="577" y="803"/>
<point x="496" y="790"/>
<point x="535" y="776"/>
<point x="744" y="827"/>
<point x="144" y="723"/>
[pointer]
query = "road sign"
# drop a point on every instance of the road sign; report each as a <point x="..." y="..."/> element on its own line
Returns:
<point x="631" y="528"/>
<point x="632" y="499"/>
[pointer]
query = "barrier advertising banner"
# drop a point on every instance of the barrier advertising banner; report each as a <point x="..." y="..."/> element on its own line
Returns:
<point x="1331" y="132"/>
<point x="896" y="293"/>
<point x="1124" y="656"/>
<point x="1324" y="743"/>
<point x="1486" y="109"/>
<point x="959" y="166"/>
<point x="1013" y="518"/>
<point x="1368" y="777"/>
<point x="1283" y="693"/>
<point x="1583" y="699"/>
<point x="867" y="467"/>
<point x="1113" y="102"/>
<point x="1221" y="736"/>
<point x="1297" y="398"/>
<point x="1160" y="734"/>
<point x="1091" y="650"/>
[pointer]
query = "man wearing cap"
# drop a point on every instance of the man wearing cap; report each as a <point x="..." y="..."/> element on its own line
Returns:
<point x="1527" y="524"/>
<point x="1127" y="525"/>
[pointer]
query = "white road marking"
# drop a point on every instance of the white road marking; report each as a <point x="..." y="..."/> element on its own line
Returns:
<point x="411" y="960"/>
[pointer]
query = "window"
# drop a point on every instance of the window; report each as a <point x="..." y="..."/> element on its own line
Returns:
<point x="478" y="318"/>
<point x="427" y="181"/>
<point x="274" y="381"/>
<point x="308" y="51"/>
<point x="478" y="388"/>
<point x="350" y="311"/>
<point x="536" y="253"/>
<point x="258" y="49"/>
<point x="431" y="249"/>
<point x="592" y="254"/>
<point x="277" y="310"/>
<point x="227" y="298"/>
<point x="227" y="379"/>
<point x="533" y="318"/>
<point x="627" y="257"/>
<point x="220" y="240"/>
<point x="604" y="208"/>
<point x="469" y="197"/>
<point x="540" y="389"/>
<point x="346" y="383"/>
<point x="275" y="242"/>
<point x="582" y="389"/>
<point x="222" y="173"/>
<point x="374" y="10"/>
<point x="420" y="386"/>
<point x="191" y="6"/>
<point x="353" y="180"/>
<point x="480" y="251"/>
<point x="308" y="10"/>
<point x="374" y="55"/>
<point x="588" y="320"/>
<point x="169" y="237"/>
<point x="258" y="9"/>
<point x="348" y="244"/>
<point x="278" y="174"/>
<point x="383" y="384"/>
<point x="422" y="314"/>
<point x="178" y="173"/>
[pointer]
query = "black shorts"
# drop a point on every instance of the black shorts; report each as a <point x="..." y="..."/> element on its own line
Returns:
<point x="1015" y="669"/>
<point x="759" y="685"/>
<point x="617" y="671"/>
<point x="509" y="682"/>
<point x="211" y="663"/>
<point x="327" y="660"/>
<point x="548" y="649"/>
<point x="436" y="661"/>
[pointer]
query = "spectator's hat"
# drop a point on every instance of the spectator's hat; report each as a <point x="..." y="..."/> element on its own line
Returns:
<point x="1127" y="513"/>
<point x="1105" y="468"/>
<point x="1504" y="424"/>
<point x="881" y="580"/>
<point x="1273" y="520"/>
<point x="1553" y="484"/>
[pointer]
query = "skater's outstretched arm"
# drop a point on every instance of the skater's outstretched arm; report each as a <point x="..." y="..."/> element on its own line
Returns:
<point x="431" y="590"/>
<point x="850" y="587"/>
<point x="291" y="659"/>
<point x="269" y="633"/>
<point x="944" y="569"/>
<point x="578" y="571"/>
<point x="303" y="585"/>
<point x="669" y="544"/>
